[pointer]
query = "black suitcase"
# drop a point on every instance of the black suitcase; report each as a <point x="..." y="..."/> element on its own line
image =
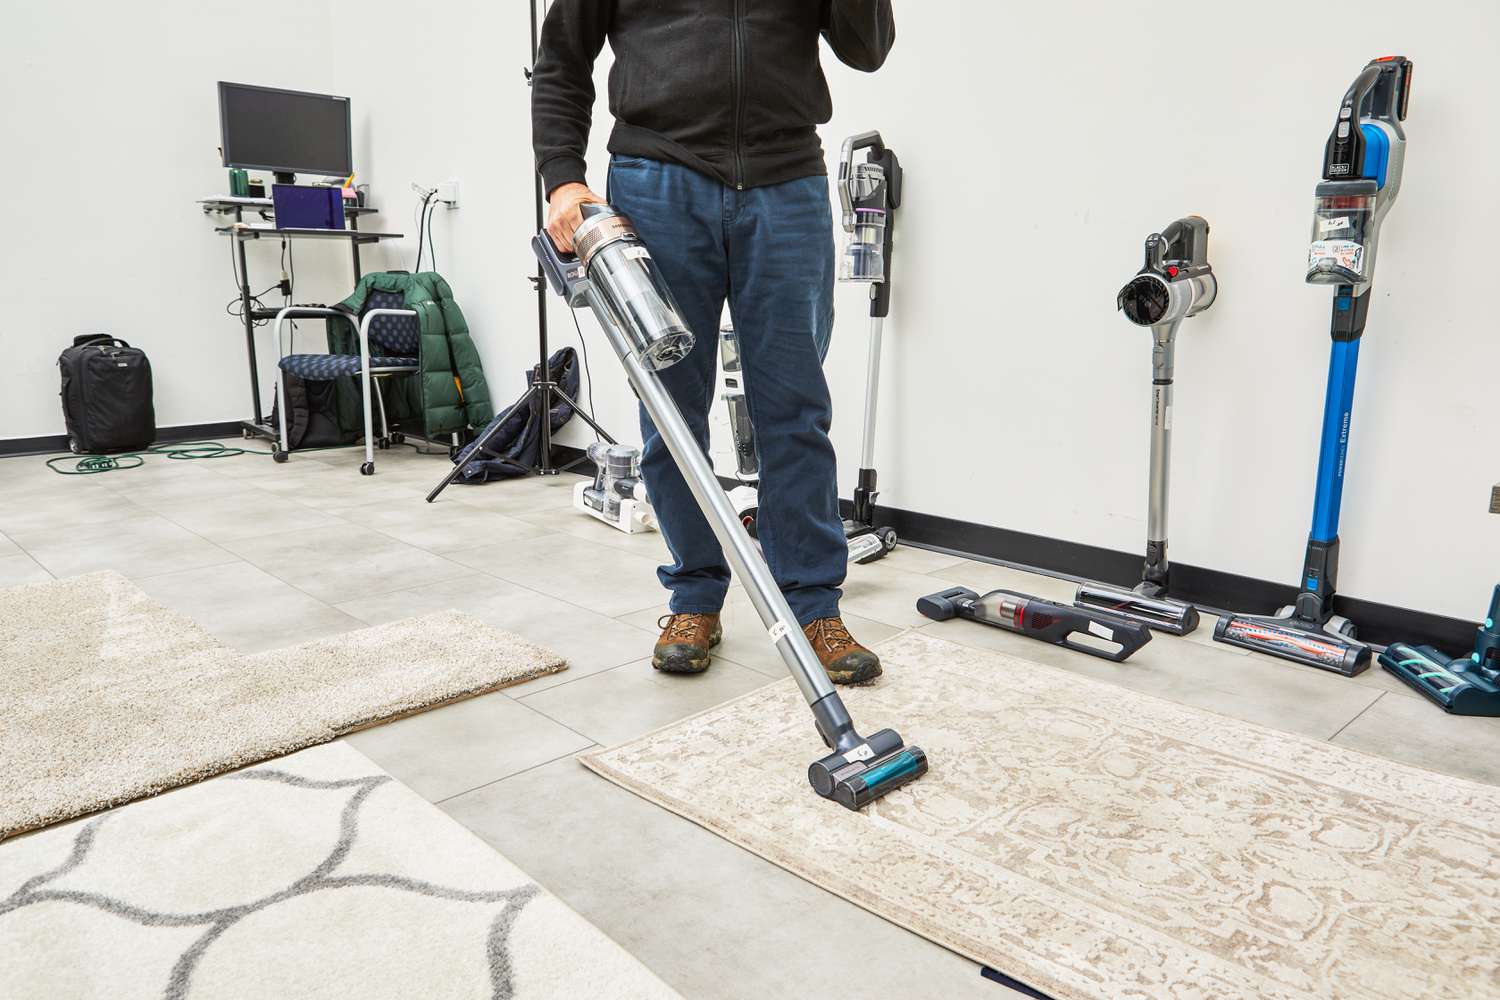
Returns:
<point x="106" y="395"/>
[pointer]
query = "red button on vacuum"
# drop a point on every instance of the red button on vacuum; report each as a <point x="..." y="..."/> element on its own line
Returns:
<point x="1172" y="271"/>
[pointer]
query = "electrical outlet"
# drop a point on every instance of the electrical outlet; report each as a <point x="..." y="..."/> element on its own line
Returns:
<point x="447" y="193"/>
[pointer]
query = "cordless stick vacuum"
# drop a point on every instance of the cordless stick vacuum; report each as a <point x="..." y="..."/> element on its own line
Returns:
<point x="869" y="193"/>
<point x="1461" y="685"/>
<point x="613" y="274"/>
<point x="1361" y="178"/>
<point x="1175" y="284"/>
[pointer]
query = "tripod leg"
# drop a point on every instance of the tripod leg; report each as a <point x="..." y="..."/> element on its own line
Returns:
<point x="481" y="445"/>
<point x="578" y="410"/>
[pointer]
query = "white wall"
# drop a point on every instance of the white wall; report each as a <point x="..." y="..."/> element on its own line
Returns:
<point x="111" y="126"/>
<point x="1042" y="143"/>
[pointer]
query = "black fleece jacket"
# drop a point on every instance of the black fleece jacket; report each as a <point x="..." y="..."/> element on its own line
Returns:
<point x="730" y="88"/>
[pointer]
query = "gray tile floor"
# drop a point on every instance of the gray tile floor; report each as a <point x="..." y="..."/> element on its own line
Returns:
<point x="267" y="555"/>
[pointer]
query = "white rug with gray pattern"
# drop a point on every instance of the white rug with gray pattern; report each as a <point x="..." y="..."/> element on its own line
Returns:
<point x="314" y="876"/>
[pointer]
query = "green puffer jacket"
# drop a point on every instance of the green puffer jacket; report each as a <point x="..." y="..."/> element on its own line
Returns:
<point x="449" y="394"/>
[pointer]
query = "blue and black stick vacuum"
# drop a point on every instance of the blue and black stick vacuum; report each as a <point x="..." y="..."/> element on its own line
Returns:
<point x="1463" y="685"/>
<point x="1361" y="178"/>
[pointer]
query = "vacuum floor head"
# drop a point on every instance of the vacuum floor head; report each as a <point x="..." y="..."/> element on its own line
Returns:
<point x="867" y="771"/>
<point x="1172" y="617"/>
<point x="1458" y="686"/>
<point x="1294" y="639"/>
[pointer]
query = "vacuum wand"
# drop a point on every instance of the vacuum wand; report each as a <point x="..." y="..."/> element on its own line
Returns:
<point x="614" y="275"/>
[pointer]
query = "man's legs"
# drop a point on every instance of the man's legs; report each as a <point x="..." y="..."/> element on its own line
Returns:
<point x="679" y="215"/>
<point x="780" y="251"/>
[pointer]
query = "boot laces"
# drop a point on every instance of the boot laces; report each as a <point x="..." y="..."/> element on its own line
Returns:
<point x="833" y="633"/>
<point x="678" y="628"/>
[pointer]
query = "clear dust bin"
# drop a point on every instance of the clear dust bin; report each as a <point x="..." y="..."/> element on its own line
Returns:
<point x="864" y="253"/>
<point x="1341" y="231"/>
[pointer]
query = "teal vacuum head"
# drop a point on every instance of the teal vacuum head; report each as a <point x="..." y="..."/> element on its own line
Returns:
<point x="1465" y="685"/>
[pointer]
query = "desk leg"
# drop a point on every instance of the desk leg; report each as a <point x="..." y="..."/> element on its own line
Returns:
<point x="354" y="248"/>
<point x="245" y="305"/>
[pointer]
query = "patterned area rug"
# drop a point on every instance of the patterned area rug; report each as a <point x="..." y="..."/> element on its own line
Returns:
<point x="1099" y="844"/>
<point x="108" y="696"/>
<point x="316" y="876"/>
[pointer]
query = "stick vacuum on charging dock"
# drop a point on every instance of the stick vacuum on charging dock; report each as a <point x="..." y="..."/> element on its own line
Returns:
<point x="1462" y="685"/>
<point x="613" y="274"/>
<point x="1112" y="637"/>
<point x="869" y="193"/>
<point x="1362" y="164"/>
<point x="1175" y="284"/>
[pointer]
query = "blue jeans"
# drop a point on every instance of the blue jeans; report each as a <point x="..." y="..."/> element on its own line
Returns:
<point x="769" y="251"/>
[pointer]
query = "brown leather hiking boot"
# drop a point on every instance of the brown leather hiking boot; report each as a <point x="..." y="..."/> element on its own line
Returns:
<point x="685" y="642"/>
<point x="846" y="661"/>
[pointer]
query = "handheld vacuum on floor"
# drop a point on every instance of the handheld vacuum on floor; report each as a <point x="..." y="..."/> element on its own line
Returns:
<point x="1362" y="164"/>
<point x="1108" y="636"/>
<point x="617" y="496"/>
<point x="869" y="194"/>
<point x="1175" y="284"/>
<point x="613" y="274"/>
<point x="1461" y="685"/>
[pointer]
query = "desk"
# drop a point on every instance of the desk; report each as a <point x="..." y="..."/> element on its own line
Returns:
<point x="240" y="233"/>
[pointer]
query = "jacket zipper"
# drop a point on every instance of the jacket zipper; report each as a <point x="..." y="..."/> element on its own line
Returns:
<point x="739" y="97"/>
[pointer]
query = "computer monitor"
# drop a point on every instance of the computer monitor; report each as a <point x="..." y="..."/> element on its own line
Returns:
<point x="284" y="131"/>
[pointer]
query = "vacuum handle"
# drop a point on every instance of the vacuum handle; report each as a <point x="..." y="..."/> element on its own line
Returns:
<point x="864" y="140"/>
<point x="1058" y="623"/>
<point x="1344" y="154"/>
<point x="565" y="273"/>
<point x="1185" y="239"/>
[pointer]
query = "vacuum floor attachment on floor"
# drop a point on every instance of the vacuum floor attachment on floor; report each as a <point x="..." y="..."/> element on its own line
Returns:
<point x="1462" y="685"/>
<point x="1294" y="638"/>
<point x="1110" y="637"/>
<point x="613" y="274"/>
<point x="1159" y="613"/>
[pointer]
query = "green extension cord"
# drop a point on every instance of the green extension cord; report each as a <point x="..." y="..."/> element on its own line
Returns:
<point x="91" y="465"/>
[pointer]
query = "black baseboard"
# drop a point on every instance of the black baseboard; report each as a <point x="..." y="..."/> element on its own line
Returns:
<point x="51" y="443"/>
<point x="1212" y="589"/>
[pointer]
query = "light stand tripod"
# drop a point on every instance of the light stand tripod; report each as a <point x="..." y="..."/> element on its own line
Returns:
<point x="543" y="388"/>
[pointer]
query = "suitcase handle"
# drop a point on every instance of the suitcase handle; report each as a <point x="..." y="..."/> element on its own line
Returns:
<point x="94" y="338"/>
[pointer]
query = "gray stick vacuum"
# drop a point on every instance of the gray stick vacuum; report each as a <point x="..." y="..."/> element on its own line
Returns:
<point x="1175" y="284"/>
<point x="613" y="274"/>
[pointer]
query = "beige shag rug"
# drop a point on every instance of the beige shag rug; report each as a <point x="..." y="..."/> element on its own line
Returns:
<point x="1096" y="843"/>
<point x="317" y="877"/>
<point x="108" y="696"/>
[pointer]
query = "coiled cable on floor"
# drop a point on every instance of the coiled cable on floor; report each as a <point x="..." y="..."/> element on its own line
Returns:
<point x="89" y="465"/>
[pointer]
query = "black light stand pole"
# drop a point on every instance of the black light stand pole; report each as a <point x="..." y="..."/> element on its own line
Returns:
<point x="544" y="465"/>
<point x="543" y="388"/>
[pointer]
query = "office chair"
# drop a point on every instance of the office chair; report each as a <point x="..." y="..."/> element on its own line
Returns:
<point x="389" y="344"/>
